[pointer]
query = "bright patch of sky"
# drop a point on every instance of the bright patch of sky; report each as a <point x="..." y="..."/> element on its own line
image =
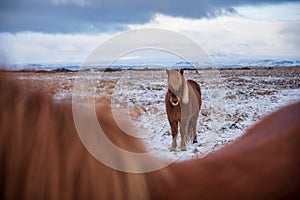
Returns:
<point x="236" y="37"/>
<point x="286" y="12"/>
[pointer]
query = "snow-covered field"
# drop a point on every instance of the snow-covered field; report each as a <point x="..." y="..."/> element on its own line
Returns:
<point x="232" y="101"/>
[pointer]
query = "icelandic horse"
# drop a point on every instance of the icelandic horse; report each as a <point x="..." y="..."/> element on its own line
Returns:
<point x="183" y="103"/>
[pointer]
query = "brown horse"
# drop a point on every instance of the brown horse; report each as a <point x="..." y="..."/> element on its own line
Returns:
<point x="42" y="157"/>
<point x="183" y="103"/>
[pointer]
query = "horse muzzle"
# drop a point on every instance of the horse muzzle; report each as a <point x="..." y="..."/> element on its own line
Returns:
<point x="174" y="101"/>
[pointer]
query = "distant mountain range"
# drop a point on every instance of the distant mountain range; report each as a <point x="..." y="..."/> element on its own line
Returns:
<point x="186" y="65"/>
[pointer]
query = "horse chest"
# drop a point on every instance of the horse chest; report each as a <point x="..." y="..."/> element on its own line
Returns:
<point x="173" y="112"/>
<point x="176" y="113"/>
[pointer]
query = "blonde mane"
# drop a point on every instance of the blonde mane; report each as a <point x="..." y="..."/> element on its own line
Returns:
<point x="177" y="82"/>
<point x="185" y="91"/>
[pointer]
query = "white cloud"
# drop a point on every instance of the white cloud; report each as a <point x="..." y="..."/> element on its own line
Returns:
<point x="236" y="36"/>
<point x="28" y="47"/>
<point x="282" y="12"/>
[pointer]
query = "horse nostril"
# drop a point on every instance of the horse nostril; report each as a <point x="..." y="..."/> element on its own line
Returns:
<point x="174" y="101"/>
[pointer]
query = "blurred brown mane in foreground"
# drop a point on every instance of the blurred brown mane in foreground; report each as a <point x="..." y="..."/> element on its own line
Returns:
<point x="42" y="157"/>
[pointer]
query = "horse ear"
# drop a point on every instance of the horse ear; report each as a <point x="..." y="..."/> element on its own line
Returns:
<point x="181" y="71"/>
<point x="168" y="71"/>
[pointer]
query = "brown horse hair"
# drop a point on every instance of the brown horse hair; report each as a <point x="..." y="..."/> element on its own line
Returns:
<point x="262" y="164"/>
<point x="42" y="157"/>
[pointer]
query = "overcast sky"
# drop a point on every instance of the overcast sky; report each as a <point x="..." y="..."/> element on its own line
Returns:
<point x="39" y="31"/>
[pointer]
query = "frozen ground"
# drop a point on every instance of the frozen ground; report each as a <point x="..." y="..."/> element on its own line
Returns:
<point x="232" y="101"/>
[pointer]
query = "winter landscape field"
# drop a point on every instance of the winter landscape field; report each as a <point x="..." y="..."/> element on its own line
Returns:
<point x="236" y="100"/>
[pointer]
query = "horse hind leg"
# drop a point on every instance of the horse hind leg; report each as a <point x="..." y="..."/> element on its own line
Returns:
<point x="193" y="128"/>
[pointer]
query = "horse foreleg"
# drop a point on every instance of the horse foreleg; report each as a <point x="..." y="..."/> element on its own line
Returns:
<point x="174" y="129"/>
<point x="183" y="133"/>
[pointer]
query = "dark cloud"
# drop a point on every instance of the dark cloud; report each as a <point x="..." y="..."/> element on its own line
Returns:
<point x="70" y="16"/>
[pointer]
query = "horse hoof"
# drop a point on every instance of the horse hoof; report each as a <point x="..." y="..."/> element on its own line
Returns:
<point x="173" y="147"/>
<point x="183" y="148"/>
<point x="195" y="141"/>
